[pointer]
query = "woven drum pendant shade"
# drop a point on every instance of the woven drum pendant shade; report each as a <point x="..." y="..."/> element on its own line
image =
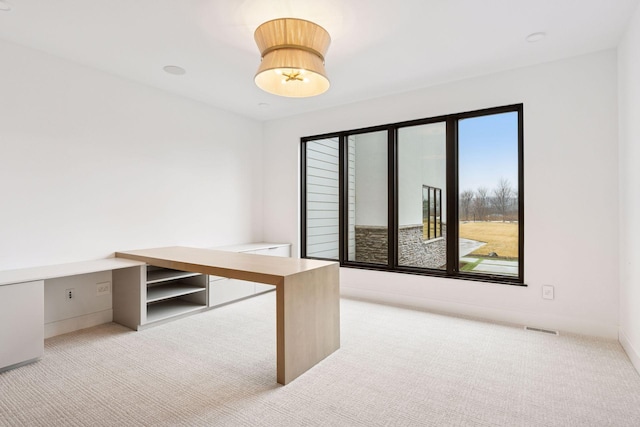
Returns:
<point x="292" y="53"/>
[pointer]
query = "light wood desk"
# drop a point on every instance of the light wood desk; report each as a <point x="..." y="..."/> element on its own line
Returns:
<point x="307" y="297"/>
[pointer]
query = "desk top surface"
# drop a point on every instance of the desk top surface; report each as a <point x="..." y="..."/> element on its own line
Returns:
<point x="252" y="267"/>
<point x="21" y="275"/>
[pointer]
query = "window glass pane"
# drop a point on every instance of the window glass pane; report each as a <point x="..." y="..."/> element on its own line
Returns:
<point x="421" y="193"/>
<point x="367" y="197"/>
<point x="322" y="192"/>
<point x="488" y="198"/>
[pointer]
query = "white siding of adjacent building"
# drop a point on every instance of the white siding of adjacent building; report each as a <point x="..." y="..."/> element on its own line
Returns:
<point x="351" y="176"/>
<point x="322" y="198"/>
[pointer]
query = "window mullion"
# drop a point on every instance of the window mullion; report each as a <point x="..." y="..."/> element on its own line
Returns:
<point x="452" y="196"/>
<point x="520" y="193"/>
<point x="303" y="199"/>
<point x="343" y="197"/>
<point x="392" y="197"/>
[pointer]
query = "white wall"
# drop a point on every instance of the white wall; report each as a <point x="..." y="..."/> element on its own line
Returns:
<point x="629" y="102"/>
<point x="91" y="163"/>
<point x="571" y="193"/>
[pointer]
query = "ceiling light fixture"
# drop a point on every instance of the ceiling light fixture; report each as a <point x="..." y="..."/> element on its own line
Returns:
<point x="292" y="52"/>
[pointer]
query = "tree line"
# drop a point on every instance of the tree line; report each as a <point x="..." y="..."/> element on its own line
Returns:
<point x="484" y="204"/>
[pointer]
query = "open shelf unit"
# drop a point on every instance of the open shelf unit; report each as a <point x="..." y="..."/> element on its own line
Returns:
<point x="171" y="293"/>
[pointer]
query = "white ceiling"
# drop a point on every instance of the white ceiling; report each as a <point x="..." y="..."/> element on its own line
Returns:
<point x="379" y="47"/>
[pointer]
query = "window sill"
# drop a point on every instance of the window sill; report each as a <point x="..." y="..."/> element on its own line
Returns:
<point x="500" y="280"/>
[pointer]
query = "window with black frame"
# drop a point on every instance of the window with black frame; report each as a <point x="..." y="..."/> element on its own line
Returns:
<point x="438" y="196"/>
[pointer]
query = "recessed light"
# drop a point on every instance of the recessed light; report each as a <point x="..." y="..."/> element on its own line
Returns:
<point x="536" y="37"/>
<point x="4" y="6"/>
<point x="174" y="69"/>
<point x="263" y="105"/>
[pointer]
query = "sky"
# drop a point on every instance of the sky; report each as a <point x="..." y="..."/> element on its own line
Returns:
<point x="488" y="151"/>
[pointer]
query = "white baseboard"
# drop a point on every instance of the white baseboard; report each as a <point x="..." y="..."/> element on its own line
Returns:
<point x="515" y="317"/>
<point x="76" y="323"/>
<point x="633" y="354"/>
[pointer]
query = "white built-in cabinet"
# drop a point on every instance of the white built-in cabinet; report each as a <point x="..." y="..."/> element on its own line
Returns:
<point x="142" y="295"/>
<point x="21" y="323"/>
<point x="223" y="290"/>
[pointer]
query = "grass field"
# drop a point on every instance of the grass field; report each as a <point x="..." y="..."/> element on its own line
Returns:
<point x="501" y="237"/>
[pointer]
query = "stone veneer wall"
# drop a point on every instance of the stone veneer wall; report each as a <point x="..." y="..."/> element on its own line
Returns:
<point x="371" y="246"/>
<point x="415" y="252"/>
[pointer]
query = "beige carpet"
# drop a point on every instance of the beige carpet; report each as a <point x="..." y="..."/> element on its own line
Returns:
<point x="396" y="367"/>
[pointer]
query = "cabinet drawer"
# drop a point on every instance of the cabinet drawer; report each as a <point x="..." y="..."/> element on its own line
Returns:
<point x="261" y="287"/>
<point x="223" y="291"/>
<point x="216" y="278"/>
<point x="283" y="251"/>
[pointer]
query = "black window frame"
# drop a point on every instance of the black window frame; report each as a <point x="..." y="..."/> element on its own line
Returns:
<point x="452" y="271"/>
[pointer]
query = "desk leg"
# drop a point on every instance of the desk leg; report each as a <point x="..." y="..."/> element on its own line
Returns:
<point x="308" y="320"/>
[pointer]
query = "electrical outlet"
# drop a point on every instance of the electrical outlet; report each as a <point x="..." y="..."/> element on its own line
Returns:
<point x="547" y="292"/>
<point x="69" y="294"/>
<point x="103" y="288"/>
